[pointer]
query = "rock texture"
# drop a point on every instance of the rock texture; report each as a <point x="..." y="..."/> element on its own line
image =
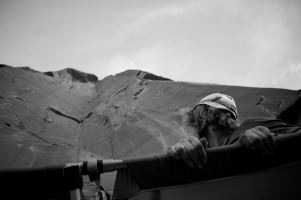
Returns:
<point x="68" y="116"/>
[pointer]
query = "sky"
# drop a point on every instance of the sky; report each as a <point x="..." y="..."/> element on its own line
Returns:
<point x="231" y="42"/>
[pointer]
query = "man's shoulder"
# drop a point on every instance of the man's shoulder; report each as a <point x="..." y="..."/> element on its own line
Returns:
<point x="262" y="120"/>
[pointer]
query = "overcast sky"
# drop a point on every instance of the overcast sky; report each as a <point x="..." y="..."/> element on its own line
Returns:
<point x="234" y="42"/>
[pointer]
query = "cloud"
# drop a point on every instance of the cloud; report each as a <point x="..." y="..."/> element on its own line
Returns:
<point x="145" y="60"/>
<point x="169" y="11"/>
<point x="288" y="78"/>
<point x="157" y="59"/>
<point x="272" y="46"/>
<point x="225" y="42"/>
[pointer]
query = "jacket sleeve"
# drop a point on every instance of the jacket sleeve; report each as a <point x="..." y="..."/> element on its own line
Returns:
<point x="276" y="126"/>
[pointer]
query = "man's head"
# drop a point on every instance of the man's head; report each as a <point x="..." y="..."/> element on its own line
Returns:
<point x="216" y="109"/>
<point x="220" y="101"/>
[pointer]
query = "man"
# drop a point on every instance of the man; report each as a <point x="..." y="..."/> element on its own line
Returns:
<point x="213" y="121"/>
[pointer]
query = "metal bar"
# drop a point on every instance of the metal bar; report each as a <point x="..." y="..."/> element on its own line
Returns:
<point x="113" y="165"/>
<point x="75" y="194"/>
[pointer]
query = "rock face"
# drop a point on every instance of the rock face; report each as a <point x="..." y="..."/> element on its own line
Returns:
<point x="69" y="116"/>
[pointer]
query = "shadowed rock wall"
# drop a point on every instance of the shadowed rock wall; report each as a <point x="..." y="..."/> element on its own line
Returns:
<point x="68" y="116"/>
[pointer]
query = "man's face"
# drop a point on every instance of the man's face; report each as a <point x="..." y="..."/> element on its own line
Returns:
<point x="223" y="120"/>
<point x="226" y="122"/>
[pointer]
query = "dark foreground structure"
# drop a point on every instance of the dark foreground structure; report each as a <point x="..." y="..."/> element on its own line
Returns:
<point x="232" y="172"/>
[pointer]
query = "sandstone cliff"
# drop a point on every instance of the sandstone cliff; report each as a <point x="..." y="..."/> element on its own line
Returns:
<point x="68" y="116"/>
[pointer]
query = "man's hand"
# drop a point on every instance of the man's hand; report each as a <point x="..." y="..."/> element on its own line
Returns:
<point x="191" y="151"/>
<point x="259" y="138"/>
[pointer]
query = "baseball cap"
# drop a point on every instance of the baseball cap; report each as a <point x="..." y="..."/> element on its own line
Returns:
<point x="220" y="101"/>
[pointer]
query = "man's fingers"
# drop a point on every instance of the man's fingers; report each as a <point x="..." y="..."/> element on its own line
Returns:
<point x="201" y="146"/>
<point x="173" y="153"/>
<point x="198" y="154"/>
<point x="184" y="152"/>
<point x="190" y="150"/>
<point x="260" y="141"/>
<point x="244" y="139"/>
<point x="269" y="136"/>
<point x="204" y="142"/>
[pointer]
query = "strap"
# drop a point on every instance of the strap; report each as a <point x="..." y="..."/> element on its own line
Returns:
<point x="95" y="176"/>
<point x="93" y="170"/>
